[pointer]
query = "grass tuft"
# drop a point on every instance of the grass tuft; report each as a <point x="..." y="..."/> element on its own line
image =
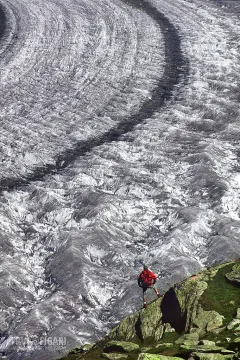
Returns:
<point x="221" y="296"/>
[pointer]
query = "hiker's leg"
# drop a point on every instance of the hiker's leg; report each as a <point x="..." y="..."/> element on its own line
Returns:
<point x="156" y="290"/>
<point x="144" y="297"/>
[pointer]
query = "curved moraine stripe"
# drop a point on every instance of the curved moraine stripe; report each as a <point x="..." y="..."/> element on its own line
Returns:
<point x="2" y="22"/>
<point x="174" y="69"/>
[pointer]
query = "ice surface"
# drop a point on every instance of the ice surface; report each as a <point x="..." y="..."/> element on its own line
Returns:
<point x="166" y="193"/>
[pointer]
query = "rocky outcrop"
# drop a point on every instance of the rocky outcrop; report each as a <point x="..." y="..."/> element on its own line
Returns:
<point x="198" y="319"/>
<point x="145" y="324"/>
<point x="180" y="309"/>
<point x="187" y="295"/>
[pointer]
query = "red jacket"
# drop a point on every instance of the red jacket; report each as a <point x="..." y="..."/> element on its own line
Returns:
<point x="146" y="278"/>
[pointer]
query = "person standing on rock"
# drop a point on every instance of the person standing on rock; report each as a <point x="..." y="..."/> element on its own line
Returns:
<point x="146" y="280"/>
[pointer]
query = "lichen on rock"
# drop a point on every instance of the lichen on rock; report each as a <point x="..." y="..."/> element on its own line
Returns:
<point x="208" y="321"/>
<point x="114" y="356"/>
<point x="234" y="275"/>
<point x="233" y="324"/>
<point x="188" y="295"/>
<point x="120" y="346"/>
<point x="143" y="325"/>
<point x="238" y="314"/>
<point x="203" y="356"/>
<point x="182" y="324"/>
<point x="157" y="357"/>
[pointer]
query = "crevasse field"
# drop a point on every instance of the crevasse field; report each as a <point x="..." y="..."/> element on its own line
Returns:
<point x="120" y="144"/>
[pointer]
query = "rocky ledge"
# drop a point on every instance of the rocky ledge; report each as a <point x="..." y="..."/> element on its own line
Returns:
<point x="197" y="319"/>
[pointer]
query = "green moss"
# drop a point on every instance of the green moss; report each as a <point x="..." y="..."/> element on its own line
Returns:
<point x="120" y="346"/>
<point x="170" y="337"/>
<point x="133" y="355"/>
<point x="165" y="350"/>
<point x="221" y="296"/>
<point x="221" y="338"/>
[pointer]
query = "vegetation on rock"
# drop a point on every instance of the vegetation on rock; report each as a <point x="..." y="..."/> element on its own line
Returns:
<point x="197" y="319"/>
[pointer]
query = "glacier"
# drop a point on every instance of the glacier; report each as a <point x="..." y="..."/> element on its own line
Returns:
<point x="119" y="146"/>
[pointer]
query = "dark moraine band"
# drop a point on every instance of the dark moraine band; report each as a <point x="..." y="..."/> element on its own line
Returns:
<point x="176" y="68"/>
<point x="2" y="22"/>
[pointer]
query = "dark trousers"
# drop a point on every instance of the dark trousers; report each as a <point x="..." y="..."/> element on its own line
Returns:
<point x="145" y="290"/>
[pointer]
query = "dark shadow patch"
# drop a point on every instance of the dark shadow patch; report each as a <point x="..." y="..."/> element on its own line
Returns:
<point x="2" y="23"/>
<point x="171" y="311"/>
<point x="138" y="329"/>
<point x="114" y="348"/>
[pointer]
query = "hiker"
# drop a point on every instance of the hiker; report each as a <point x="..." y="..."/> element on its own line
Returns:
<point x="146" y="280"/>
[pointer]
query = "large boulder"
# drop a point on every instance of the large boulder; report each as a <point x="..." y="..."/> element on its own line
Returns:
<point x="209" y="356"/>
<point x="207" y="342"/>
<point x="188" y="339"/>
<point x="203" y="348"/>
<point x="208" y="321"/>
